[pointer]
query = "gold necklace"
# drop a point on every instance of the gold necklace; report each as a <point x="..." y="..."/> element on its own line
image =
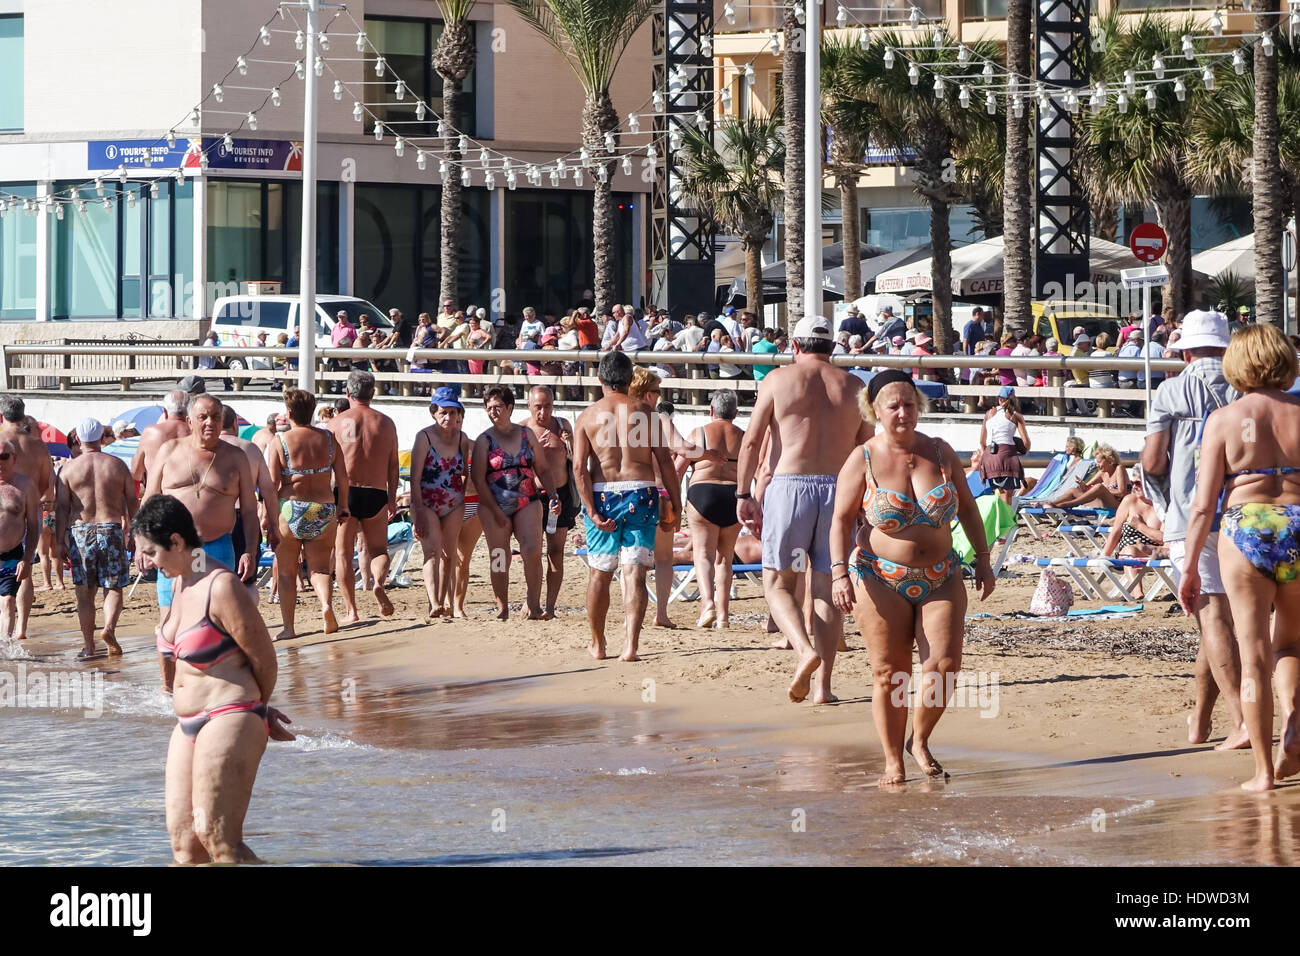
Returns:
<point x="198" y="482"/>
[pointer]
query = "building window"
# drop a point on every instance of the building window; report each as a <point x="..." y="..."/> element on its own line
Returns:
<point x="253" y="234"/>
<point x="18" y="259"/>
<point x="984" y="9"/>
<point x="398" y="243"/>
<point x="131" y="263"/>
<point x="11" y="73"/>
<point x="909" y="226"/>
<point x="407" y="48"/>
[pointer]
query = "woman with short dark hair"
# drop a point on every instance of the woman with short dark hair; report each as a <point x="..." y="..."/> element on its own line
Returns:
<point x="225" y="673"/>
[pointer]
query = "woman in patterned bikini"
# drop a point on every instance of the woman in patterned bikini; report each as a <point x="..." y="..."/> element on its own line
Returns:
<point x="904" y="582"/>
<point x="307" y="469"/>
<point x="441" y="452"/>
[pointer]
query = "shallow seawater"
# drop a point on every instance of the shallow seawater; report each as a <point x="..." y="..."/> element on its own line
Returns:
<point x="388" y="771"/>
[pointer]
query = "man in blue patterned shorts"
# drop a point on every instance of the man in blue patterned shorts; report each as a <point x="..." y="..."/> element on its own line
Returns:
<point x="96" y="503"/>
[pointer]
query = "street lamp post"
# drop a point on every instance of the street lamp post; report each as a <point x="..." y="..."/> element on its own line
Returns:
<point x="812" y="213"/>
<point x="307" y="276"/>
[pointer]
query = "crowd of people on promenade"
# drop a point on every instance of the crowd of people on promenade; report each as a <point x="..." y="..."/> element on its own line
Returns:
<point x="831" y="487"/>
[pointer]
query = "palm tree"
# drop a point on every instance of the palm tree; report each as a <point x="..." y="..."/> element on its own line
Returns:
<point x="1017" y="228"/>
<point x="850" y="118"/>
<point x="738" y="184"/>
<point x="1144" y="154"/>
<point x="1266" y="203"/>
<point x="796" y="192"/>
<point x="912" y="117"/>
<point x="592" y="36"/>
<point x="981" y="176"/>
<point x="454" y="58"/>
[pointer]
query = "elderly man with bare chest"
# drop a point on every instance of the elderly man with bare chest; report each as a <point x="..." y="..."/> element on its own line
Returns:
<point x="96" y="503"/>
<point x="173" y="424"/>
<point x="32" y="461"/>
<point x="368" y="440"/>
<point x="20" y="530"/>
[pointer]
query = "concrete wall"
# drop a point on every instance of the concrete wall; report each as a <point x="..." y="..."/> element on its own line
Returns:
<point x="110" y="330"/>
<point x="111" y="70"/>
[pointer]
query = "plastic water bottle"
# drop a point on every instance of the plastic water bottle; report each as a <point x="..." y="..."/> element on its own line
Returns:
<point x="552" y="521"/>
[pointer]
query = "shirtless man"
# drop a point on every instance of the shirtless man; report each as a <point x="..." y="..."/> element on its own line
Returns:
<point x="20" y="530"/>
<point x="263" y="436"/>
<point x="211" y="478"/>
<point x="811" y="408"/>
<point x="269" y="506"/>
<point x="616" y="446"/>
<point x="33" y="463"/>
<point x="369" y="442"/>
<point x="96" y="503"/>
<point x="556" y="436"/>
<point x="173" y="424"/>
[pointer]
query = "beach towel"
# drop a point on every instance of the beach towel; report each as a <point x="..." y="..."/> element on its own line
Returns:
<point x="998" y="519"/>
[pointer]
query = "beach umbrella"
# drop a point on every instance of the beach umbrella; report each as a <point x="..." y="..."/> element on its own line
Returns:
<point x="123" y="448"/>
<point x="50" y="434"/>
<point x="141" y="417"/>
<point x="248" y="430"/>
<point x="58" y="449"/>
<point x="1236" y="256"/>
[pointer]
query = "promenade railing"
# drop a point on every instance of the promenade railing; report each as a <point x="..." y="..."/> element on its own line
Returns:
<point x="152" y="368"/>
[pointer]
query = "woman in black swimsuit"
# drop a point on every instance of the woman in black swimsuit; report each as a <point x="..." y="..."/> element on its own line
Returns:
<point x="711" y="500"/>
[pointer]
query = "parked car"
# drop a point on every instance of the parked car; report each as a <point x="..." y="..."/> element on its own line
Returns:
<point x="238" y="318"/>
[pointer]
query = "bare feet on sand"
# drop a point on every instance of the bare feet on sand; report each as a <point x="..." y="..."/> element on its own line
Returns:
<point x="921" y="754"/>
<point x="828" y="699"/>
<point x="110" y="639"/>
<point x="285" y="635"/>
<point x="353" y="618"/>
<point x="771" y="628"/>
<point x="548" y="615"/>
<point x="893" y="778"/>
<point x="1197" y="735"/>
<point x="1237" y="740"/>
<point x="597" y="649"/>
<point x="781" y="644"/>
<point x="1288" y="755"/>
<point x="629" y="656"/>
<point x="1259" y="784"/>
<point x="331" y="622"/>
<point x="385" y="605"/>
<point x="503" y="613"/>
<point x="844" y="645"/>
<point x="665" y="623"/>
<point x="802" y="683"/>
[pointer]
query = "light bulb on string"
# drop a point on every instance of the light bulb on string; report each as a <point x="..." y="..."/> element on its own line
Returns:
<point x="58" y="212"/>
<point x="1095" y="102"/>
<point x="1158" y="66"/>
<point x="483" y="158"/>
<point x="442" y="169"/>
<point x="121" y="174"/>
<point x="602" y="173"/>
<point x="171" y="139"/>
<point x="195" y="116"/>
<point x="729" y="11"/>
<point x="555" y="180"/>
<point x="464" y="176"/>
<point x="1044" y="100"/>
<point x="990" y="104"/>
<point x="512" y="181"/>
<point x="776" y="45"/>
<point x="1207" y="78"/>
<point x="229" y="142"/>
<point x="914" y="18"/>
<point x="987" y="72"/>
<point x="108" y="206"/>
<point x="379" y="66"/>
<point x="361" y="43"/>
<point x="963" y="97"/>
<point x="1130" y="82"/>
<point x="657" y="101"/>
<point x="1189" y="48"/>
<point x="577" y="177"/>
<point x="300" y="69"/>
<point x="940" y="38"/>
<point x="442" y="129"/>
<point x="864" y="39"/>
<point x="749" y="74"/>
<point x="298" y="40"/>
<point x="251" y="119"/>
<point x="99" y="185"/>
<point x="399" y="147"/>
<point x="265" y="34"/>
<point x="318" y="67"/>
<point x="1216" y="24"/>
<point x="842" y="17"/>
<point x="338" y="90"/>
<point x="889" y="58"/>
<point x="462" y="144"/>
<point x="627" y="166"/>
<point x="963" y="54"/>
<point x="938" y="87"/>
<point x="1071" y="102"/>
<point x="726" y="98"/>
<point x="609" y="143"/>
<point x="1180" y="90"/>
<point x="419" y="111"/>
<point x="153" y="190"/>
<point x="379" y="132"/>
<point x="799" y="15"/>
<point x="324" y="40"/>
<point x="706" y="46"/>
<point x="218" y="93"/>
<point x="1238" y="62"/>
<point x="275" y="95"/>
<point x="81" y="208"/>
<point x="1151" y="97"/>
<point x="701" y="121"/>
<point x="130" y="198"/>
<point x="584" y="157"/>
<point x="357" y="113"/>
<point x="560" y="169"/>
<point x="1266" y="43"/>
<point x="400" y="90"/>
<point x="675" y="139"/>
<point x="651" y="153"/>
<point x="242" y="65"/>
<point x="913" y="74"/>
<point x="633" y="123"/>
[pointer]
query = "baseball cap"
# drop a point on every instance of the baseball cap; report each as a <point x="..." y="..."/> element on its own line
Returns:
<point x="729" y="310"/>
<point x="923" y="339"/>
<point x="1203" y="329"/>
<point x="90" y="429"/>
<point x="813" y="327"/>
<point x="121" y="426"/>
<point x="897" y="340"/>
<point x="445" y="396"/>
<point x="1082" y="340"/>
<point x="1006" y="391"/>
<point x="1242" y="310"/>
<point x="192" y="384"/>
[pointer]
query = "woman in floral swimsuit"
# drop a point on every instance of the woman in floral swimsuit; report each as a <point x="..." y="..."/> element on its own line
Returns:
<point x="439" y="508"/>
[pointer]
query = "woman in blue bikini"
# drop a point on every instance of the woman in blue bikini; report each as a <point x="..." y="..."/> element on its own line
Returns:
<point x="1250" y="462"/>
<point x="306" y="469"/>
<point x="903" y="581"/>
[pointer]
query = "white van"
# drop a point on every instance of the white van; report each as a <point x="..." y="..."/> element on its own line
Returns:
<point x="238" y="318"/>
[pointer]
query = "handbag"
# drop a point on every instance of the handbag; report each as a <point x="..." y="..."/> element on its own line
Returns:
<point x="1053" y="596"/>
<point x="1020" y="446"/>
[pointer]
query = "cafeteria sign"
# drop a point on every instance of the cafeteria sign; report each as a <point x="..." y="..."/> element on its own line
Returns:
<point x="259" y="154"/>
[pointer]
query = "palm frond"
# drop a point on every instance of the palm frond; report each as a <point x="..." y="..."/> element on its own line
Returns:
<point x="591" y="35"/>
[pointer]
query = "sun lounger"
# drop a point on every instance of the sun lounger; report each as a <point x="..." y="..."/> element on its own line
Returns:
<point x="1093" y="575"/>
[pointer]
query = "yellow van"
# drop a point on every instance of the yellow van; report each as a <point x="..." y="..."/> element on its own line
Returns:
<point x="1058" y="319"/>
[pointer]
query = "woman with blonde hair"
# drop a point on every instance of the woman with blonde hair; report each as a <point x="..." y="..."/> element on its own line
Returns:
<point x="901" y="578"/>
<point x="1250" y="466"/>
<point x="1106" y="489"/>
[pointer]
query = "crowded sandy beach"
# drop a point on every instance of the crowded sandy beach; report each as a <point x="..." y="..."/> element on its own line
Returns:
<point x="848" y="640"/>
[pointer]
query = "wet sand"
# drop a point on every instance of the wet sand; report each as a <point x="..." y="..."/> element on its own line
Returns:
<point x="1081" y="755"/>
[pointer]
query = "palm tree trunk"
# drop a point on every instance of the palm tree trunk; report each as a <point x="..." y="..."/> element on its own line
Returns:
<point x="848" y="182"/>
<point x="1018" y="246"/>
<point x="753" y="246"/>
<point x="1105" y="220"/>
<point x="796" y="191"/>
<point x="599" y="118"/>
<point x="941" y="274"/>
<point x="449" y="283"/>
<point x="1173" y="205"/>
<point x="1267" y="176"/>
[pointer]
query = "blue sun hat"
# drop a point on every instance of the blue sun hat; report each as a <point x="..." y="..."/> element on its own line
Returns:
<point x="446" y="396"/>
